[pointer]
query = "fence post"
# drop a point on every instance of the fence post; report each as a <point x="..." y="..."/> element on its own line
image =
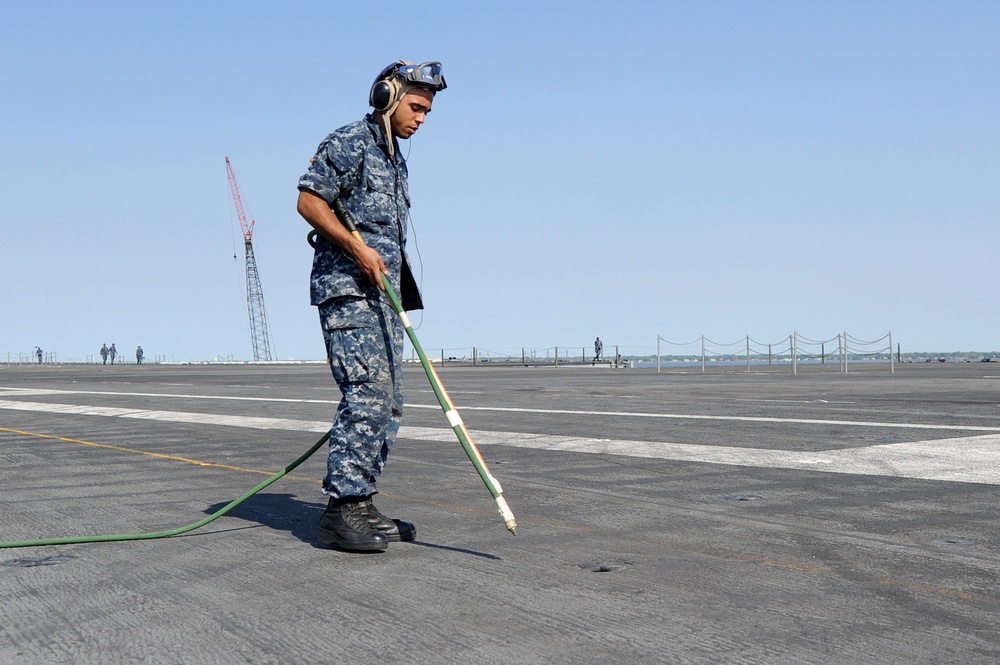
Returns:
<point x="846" y="353"/>
<point x="657" y="353"/>
<point x="702" y="354"/>
<point x="892" y="365"/>
<point x="557" y="356"/>
<point x="748" y="353"/>
<point x="795" y="352"/>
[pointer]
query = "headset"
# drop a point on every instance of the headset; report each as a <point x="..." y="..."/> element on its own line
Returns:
<point x="389" y="85"/>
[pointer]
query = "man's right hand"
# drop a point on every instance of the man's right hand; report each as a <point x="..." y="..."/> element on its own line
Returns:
<point x="370" y="262"/>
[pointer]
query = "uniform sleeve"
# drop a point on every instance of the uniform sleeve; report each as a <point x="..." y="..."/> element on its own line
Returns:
<point x="332" y="170"/>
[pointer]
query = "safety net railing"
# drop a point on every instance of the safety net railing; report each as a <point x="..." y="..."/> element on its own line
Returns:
<point x="792" y="351"/>
<point x="699" y="353"/>
<point x="527" y="355"/>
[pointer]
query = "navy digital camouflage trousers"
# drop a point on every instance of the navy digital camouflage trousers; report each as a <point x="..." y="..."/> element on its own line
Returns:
<point x="364" y="344"/>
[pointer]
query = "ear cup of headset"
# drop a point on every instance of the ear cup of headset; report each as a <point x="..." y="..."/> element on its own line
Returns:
<point x="381" y="95"/>
<point x="384" y="93"/>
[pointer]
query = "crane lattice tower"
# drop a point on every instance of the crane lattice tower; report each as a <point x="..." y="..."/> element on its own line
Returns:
<point x="255" y="296"/>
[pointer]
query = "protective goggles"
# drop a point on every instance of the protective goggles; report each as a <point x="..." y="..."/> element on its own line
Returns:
<point x="425" y="75"/>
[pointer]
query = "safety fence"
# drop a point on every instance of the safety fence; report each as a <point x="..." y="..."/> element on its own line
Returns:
<point x="36" y="357"/>
<point x="528" y="356"/>
<point x="702" y="352"/>
<point x="792" y="350"/>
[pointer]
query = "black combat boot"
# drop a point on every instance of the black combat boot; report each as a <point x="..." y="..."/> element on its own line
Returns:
<point x="395" y="530"/>
<point x="344" y="524"/>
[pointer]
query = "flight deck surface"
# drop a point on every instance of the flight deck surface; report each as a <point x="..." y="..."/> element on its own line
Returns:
<point x="672" y="517"/>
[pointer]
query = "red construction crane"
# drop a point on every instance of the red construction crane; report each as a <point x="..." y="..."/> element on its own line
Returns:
<point x="235" y="187"/>
<point x="255" y="296"/>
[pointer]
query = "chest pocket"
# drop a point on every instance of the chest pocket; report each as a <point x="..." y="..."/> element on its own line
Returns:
<point x="387" y="192"/>
<point x="380" y="178"/>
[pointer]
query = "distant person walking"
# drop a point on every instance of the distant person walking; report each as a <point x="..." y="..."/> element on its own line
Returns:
<point x="104" y="354"/>
<point x="38" y="352"/>
<point x="113" y="352"/>
<point x="138" y="355"/>
<point x="598" y="349"/>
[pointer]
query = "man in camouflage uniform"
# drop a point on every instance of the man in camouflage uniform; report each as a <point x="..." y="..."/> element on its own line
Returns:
<point x="360" y="165"/>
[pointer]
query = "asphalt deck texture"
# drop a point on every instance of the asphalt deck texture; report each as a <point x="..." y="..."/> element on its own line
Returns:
<point x="673" y="517"/>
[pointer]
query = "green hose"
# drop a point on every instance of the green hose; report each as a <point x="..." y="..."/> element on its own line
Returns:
<point x="454" y="419"/>
<point x="172" y="532"/>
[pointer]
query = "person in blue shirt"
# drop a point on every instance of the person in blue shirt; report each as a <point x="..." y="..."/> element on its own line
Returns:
<point x="360" y="166"/>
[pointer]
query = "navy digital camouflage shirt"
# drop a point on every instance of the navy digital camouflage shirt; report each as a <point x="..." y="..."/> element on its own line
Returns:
<point x="353" y="164"/>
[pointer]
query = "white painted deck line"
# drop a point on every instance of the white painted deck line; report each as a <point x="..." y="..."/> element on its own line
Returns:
<point x="973" y="459"/>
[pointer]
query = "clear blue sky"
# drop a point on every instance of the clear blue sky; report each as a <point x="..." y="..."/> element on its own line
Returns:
<point x="626" y="169"/>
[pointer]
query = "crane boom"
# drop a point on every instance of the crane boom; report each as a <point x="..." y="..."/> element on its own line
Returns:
<point x="235" y="188"/>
